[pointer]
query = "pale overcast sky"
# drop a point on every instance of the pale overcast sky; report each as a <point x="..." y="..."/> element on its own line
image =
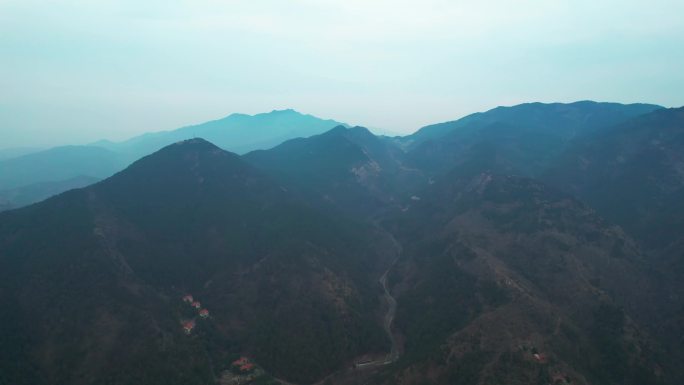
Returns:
<point x="75" y="71"/>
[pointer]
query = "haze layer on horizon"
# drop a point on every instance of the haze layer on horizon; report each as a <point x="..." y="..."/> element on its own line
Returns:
<point x="75" y="71"/>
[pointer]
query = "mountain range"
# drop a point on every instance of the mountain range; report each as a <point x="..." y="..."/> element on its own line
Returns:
<point x="533" y="244"/>
<point x="283" y="282"/>
<point x="239" y="133"/>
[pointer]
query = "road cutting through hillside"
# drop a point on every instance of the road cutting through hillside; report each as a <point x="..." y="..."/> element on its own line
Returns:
<point x="393" y="354"/>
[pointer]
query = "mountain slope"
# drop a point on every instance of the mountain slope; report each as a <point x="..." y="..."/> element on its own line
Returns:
<point x="14" y="152"/>
<point x="237" y="132"/>
<point x="58" y="164"/>
<point x="527" y="137"/>
<point x="24" y="196"/>
<point x="633" y="175"/>
<point x="497" y="269"/>
<point x="106" y="266"/>
<point x="347" y="168"/>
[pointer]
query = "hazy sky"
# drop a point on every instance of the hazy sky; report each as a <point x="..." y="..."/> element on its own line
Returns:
<point x="75" y="71"/>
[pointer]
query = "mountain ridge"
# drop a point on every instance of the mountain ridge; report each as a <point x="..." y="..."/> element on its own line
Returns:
<point x="103" y="158"/>
<point x="188" y="218"/>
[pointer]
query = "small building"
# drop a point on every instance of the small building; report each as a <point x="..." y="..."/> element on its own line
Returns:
<point x="188" y="326"/>
<point x="204" y="313"/>
<point x="244" y="364"/>
<point x="188" y="298"/>
<point x="196" y="305"/>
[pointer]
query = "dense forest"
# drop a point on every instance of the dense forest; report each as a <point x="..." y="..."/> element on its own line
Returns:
<point x="534" y="244"/>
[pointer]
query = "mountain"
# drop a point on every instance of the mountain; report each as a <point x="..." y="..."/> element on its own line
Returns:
<point x="495" y="268"/>
<point x="91" y="280"/>
<point x="534" y="244"/>
<point x="237" y="132"/>
<point x="504" y="280"/>
<point x="58" y="164"/>
<point x="23" y="196"/>
<point x="526" y="138"/>
<point x="13" y="152"/>
<point x="347" y="168"/>
<point x="633" y="174"/>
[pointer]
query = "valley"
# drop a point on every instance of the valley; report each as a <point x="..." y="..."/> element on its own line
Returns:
<point x="526" y="244"/>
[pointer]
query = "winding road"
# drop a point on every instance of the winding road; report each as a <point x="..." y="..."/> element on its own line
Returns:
<point x="393" y="354"/>
<point x="354" y="374"/>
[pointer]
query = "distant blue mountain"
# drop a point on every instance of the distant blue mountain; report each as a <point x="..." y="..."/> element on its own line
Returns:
<point x="14" y="152"/>
<point x="30" y="176"/>
<point x="58" y="164"/>
<point x="237" y="133"/>
<point x="26" y="195"/>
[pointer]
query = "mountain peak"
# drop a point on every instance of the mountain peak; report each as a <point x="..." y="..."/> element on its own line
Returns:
<point x="356" y="131"/>
<point x="286" y="111"/>
<point x="337" y="130"/>
<point x="195" y="143"/>
<point x="188" y="151"/>
<point x="187" y="171"/>
<point x="360" y="130"/>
